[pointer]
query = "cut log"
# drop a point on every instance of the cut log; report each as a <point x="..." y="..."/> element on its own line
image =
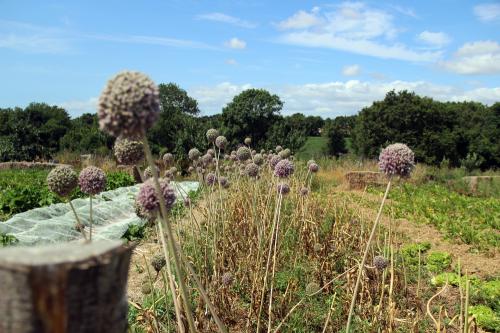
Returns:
<point x="64" y="288"/>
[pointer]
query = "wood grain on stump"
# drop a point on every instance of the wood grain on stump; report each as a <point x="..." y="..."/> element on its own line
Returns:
<point x="64" y="288"/>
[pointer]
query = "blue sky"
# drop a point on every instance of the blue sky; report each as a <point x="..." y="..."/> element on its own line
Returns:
<point x="321" y="58"/>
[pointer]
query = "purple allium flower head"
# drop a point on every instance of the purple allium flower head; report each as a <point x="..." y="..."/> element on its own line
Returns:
<point x="278" y="149"/>
<point x="92" y="180"/>
<point x="148" y="199"/>
<point x="211" y="179"/>
<point x="227" y="279"/>
<point x="252" y="170"/>
<point x="207" y="159"/>
<point x="283" y="188"/>
<point x="221" y="142"/>
<point x="148" y="172"/>
<point x="285" y="153"/>
<point x="380" y="263"/>
<point x="397" y="159"/>
<point x="62" y="180"/>
<point x="248" y="141"/>
<point x="168" y="159"/>
<point x="128" y="105"/>
<point x="258" y="159"/>
<point x="223" y="182"/>
<point x="128" y="152"/>
<point x="212" y="134"/>
<point x="304" y="191"/>
<point x="190" y="169"/>
<point x="313" y="167"/>
<point x="211" y="152"/>
<point x="243" y="153"/>
<point x="283" y="169"/>
<point x="274" y="160"/>
<point x="143" y="214"/>
<point x="194" y="154"/>
<point x="310" y="162"/>
<point x="169" y="174"/>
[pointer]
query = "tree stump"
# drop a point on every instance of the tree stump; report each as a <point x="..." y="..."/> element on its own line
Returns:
<point x="64" y="288"/>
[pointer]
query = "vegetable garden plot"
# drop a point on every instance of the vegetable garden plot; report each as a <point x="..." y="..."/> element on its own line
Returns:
<point x="113" y="213"/>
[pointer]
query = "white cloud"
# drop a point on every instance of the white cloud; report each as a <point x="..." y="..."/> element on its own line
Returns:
<point x="78" y="107"/>
<point x="300" y="20"/>
<point x="220" y="17"/>
<point x="30" y="38"/>
<point x="213" y="98"/>
<point x="231" y="62"/>
<point x="480" y="57"/>
<point x="437" y="39"/>
<point x="352" y="27"/>
<point x="487" y="12"/>
<point x="359" y="46"/>
<point x="236" y="43"/>
<point x="152" y="40"/>
<point x="331" y="99"/>
<point x="351" y="70"/>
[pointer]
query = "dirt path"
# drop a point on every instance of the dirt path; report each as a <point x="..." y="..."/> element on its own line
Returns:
<point x="480" y="264"/>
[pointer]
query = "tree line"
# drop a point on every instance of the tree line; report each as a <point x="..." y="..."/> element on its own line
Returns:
<point x="457" y="134"/>
<point x="40" y="131"/>
<point x="451" y="133"/>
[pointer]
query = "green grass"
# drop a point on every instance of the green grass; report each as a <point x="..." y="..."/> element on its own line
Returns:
<point x="314" y="147"/>
<point x="475" y="221"/>
<point x="23" y="190"/>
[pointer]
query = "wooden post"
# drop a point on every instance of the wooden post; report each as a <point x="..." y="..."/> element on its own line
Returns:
<point x="64" y="288"/>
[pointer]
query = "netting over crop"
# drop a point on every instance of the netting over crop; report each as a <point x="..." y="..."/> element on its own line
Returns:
<point x="113" y="213"/>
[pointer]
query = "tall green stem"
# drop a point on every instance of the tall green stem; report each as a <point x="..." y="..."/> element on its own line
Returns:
<point x="79" y="224"/>
<point x="91" y="219"/>
<point x="170" y="236"/>
<point x="365" y="255"/>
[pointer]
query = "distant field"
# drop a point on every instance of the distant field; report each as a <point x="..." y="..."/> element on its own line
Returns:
<point x="314" y="147"/>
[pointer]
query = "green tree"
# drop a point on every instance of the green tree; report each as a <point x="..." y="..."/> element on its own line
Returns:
<point x="251" y="113"/>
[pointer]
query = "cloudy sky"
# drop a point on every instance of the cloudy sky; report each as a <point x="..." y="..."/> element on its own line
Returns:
<point x="321" y="58"/>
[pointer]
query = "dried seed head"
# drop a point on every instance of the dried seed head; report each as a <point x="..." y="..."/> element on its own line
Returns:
<point x="194" y="154"/>
<point x="158" y="262"/>
<point x="313" y="167"/>
<point x="252" y="170"/>
<point x="128" y="152"/>
<point x="212" y="134"/>
<point x="211" y="179"/>
<point x="168" y="159"/>
<point x="258" y="159"/>
<point x="148" y="172"/>
<point x="221" y="142"/>
<point x="227" y="279"/>
<point x="283" y="188"/>
<point x="380" y="263"/>
<point x="128" y="105"/>
<point x="243" y="154"/>
<point x="62" y="180"/>
<point x="304" y="191"/>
